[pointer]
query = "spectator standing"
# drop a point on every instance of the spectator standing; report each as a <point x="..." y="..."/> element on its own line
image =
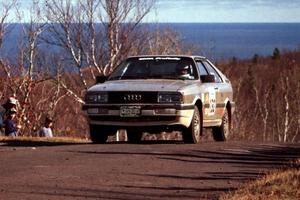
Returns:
<point x="10" y="104"/>
<point x="9" y="124"/>
<point x="2" y="112"/>
<point x="46" y="130"/>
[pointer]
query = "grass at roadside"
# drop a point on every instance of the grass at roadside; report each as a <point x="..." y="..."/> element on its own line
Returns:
<point x="277" y="185"/>
<point x="40" y="141"/>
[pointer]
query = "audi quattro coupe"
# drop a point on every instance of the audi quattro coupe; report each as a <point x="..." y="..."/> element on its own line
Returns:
<point x="161" y="93"/>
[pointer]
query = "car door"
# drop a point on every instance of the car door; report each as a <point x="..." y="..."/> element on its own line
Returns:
<point x="209" y="95"/>
<point x="218" y="88"/>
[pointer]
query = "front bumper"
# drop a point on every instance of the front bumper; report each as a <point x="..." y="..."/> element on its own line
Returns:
<point x="150" y="115"/>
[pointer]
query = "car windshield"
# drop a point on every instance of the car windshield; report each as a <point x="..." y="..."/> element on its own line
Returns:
<point x="155" y="68"/>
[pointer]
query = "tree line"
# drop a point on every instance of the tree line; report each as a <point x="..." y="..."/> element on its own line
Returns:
<point x="267" y="93"/>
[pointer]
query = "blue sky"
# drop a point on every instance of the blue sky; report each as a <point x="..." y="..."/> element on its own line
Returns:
<point x="226" y="11"/>
<point x="219" y="10"/>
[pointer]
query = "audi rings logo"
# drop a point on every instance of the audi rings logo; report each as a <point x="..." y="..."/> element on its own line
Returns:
<point x="132" y="97"/>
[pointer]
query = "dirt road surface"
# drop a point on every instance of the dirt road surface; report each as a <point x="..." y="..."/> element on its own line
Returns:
<point x="119" y="171"/>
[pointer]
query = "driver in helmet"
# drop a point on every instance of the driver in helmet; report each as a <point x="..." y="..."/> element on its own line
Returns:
<point x="184" y="72"/>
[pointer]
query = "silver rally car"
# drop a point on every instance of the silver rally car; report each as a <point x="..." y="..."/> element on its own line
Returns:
<point x="161" y="93"/>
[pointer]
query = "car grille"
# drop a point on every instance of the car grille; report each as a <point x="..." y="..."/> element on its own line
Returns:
<point x="132" y="97"/>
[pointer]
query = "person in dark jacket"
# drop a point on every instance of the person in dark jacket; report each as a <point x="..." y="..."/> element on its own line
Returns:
<point x="11" y="102"/>
<point x="2" y="113"/>
<point x="9" y="124"/>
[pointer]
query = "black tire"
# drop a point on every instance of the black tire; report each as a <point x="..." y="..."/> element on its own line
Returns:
<point x="220" y="134"/>
<point x="99" y="134"/>
<point x="134" y="136"/>
<point x="193" y="134"/>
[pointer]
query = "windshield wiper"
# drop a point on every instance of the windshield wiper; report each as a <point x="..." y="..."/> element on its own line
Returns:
<point x="125" y="77"/>
<point x="161" y="77"/>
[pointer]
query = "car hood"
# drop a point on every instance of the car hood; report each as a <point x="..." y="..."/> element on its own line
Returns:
<point x="141" y="85"/>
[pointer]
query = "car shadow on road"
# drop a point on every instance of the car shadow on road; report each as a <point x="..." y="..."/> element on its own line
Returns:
<point x="237" y="165"/>
<point x="246" y="164"/>
<point x="154" y="142"/>
<point x="264" y="155"/>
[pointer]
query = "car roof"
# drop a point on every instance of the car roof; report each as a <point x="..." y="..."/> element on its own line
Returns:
<point x="168" y="56"/>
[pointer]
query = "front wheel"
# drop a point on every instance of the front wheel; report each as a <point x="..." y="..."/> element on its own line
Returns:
<point x="99" y="134"/>
<point x="221" y="133"/>
<point x="194" y="132"/>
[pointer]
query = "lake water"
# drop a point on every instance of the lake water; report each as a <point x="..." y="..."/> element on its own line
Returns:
<point x="241" y="40"/>
<point x="224" y="40"/>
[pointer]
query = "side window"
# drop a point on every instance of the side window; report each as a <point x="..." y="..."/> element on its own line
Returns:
<point x="201" y="68"/>
<point x="212" y="71"/>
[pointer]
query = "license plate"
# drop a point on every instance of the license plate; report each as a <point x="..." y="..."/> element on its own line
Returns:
<point x="130" y="111"/>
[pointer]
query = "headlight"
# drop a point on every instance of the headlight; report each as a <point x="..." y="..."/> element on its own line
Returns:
<point x="169" y="98"/>
<point x="96" y="97"/>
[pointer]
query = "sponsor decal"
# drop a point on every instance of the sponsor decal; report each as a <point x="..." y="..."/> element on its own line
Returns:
<point x="210" y="99"/>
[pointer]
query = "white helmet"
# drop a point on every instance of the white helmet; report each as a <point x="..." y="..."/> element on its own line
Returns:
<point x="12" y="100"/>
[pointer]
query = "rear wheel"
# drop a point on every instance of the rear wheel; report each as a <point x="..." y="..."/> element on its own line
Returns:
<point x="99" y="134"/>
<point x="193" y="133"/>
<point x="134" y="136"/>
<point x="221" y="133"/>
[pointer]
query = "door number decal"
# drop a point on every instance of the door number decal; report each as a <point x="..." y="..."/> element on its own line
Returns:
<point x="210" y="98"/>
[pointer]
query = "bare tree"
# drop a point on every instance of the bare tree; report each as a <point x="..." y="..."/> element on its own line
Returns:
<point x="166" y="41"/>
<point x="27" y="59"/>
<point x="95" y="33"/>
<point x="67" y="31"/>
<point x="29" y="80"/>
<point x="267" y="98"/>
<point x="5" y="7"/>
<point x="262" y="105"/>
<point x="120" y="19"/>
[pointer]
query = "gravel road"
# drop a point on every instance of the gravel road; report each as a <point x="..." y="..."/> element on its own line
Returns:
<point x="157" y="170"/>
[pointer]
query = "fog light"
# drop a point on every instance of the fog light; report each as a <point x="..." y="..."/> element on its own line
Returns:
<point x="166" y="111"/>
<point x="100" y="111"/>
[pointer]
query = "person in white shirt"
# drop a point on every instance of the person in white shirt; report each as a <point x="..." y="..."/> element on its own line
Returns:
<point x="46" y="130"/>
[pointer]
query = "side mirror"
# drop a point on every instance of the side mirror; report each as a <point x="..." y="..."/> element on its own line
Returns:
<point x="207" y="78"/>
<point x="101" y="79"/>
